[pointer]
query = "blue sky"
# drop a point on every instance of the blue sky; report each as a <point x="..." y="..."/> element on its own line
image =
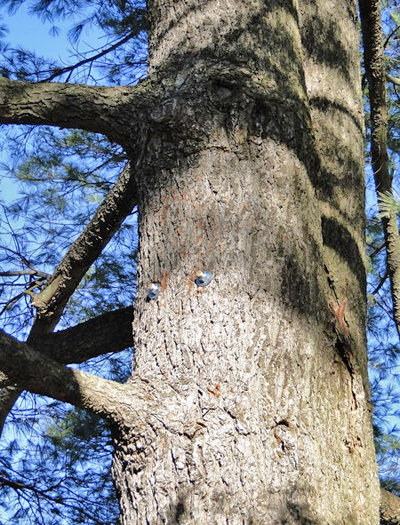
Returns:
<point x="29" y="32"/>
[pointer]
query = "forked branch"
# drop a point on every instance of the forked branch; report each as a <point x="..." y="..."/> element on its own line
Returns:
<point x="41" y="375"/>
<point x="117" y="205"/>
<point x="110" y="332"/>
<point x="51" y="301"/>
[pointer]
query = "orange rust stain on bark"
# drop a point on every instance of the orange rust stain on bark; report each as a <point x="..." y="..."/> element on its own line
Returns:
<point x="338" y="310"/>
<point x="216" y="391"/>
<point x="164" y="278"/>
<point x="199" y="238"/>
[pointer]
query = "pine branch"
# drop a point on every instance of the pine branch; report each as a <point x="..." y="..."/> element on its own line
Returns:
<point x="46" y="494"/>
<point x="51" y="301"/>
<point x="89" y="60"/>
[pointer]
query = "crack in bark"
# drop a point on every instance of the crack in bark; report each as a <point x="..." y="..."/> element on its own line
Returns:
<point x="344" y="351"/>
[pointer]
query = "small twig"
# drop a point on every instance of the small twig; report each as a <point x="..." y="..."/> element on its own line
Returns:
<point x="22" y="486"/>
<point x="381" y="283"/>
<point x="377" y="250"/>
<point x="390" y="36"/>
<point x="11" y="302"/>
<point x="25" y="272"/>
<point x="91" y="59"/>
<point x="23" y="259"/>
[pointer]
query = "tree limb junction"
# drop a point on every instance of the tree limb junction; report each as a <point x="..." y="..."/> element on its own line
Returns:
<point x="41" y="375"/>
<point x="99" y="109"/>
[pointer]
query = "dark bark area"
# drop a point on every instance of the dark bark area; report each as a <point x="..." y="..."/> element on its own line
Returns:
<point x="110" y="332"/>
<point x="390" y="508"/>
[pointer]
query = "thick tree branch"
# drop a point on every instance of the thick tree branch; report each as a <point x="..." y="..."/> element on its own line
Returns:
<point x="51" y="301"/>
<point x="93" y="108"/>
<point x="41" y="375"/>
<point x="371" y="24"/>
<point x="82" y="253"/>
<point x="110" y="332"/>
<point x="390" y="508"/>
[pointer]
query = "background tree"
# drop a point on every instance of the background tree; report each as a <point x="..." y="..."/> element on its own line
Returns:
<point x="227" y="107"/>
<point x="381" y="64"/>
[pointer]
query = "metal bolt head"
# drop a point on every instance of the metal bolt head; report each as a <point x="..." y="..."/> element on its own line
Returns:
<point x="153" y="290"/>
<point x="203" y="277"/>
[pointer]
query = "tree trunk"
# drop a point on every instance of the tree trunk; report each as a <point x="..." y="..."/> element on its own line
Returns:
<point x="257" y="409"/>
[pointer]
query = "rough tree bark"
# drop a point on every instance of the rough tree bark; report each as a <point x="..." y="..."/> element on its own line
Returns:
<point x="249" y="402"/>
